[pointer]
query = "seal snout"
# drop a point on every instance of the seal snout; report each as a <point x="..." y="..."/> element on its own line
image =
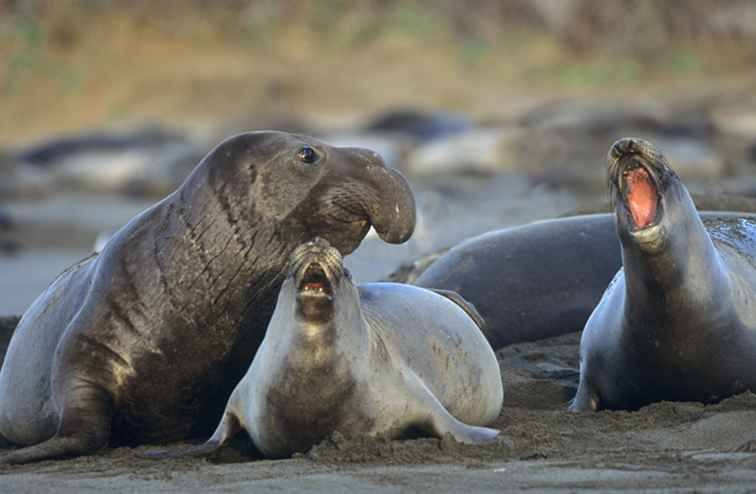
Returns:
<point x="317" y="267"/>
<point x="315" y="281"/>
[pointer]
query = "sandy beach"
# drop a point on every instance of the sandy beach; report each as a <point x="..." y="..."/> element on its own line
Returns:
<point x="665" y="447"/>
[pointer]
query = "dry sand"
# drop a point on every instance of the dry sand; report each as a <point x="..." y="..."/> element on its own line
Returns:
<point x="670" y="447"/>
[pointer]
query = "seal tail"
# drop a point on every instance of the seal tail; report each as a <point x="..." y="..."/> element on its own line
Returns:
<point x="463" y="304"/>
<point x="226" y="430"/>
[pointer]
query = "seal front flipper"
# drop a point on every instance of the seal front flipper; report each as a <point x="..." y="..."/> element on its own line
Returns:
<point x="436" y="420"/>
<point x="226" y="430"/>
<point x="585" y="399"/>
<point x="465" y="305"/>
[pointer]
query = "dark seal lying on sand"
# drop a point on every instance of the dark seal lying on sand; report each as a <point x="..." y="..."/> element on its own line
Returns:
<point x="380" y="359"/>
<point x="678" y="322"/>
<point x="145" y="341"/>
<point x="539" y="280"/>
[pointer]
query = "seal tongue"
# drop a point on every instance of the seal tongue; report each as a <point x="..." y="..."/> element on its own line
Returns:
<point x="641" y="197"/>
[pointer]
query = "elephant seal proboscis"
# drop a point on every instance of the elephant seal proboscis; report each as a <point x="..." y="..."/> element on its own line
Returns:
<point x="378" y="359"/>
<point x="678" y="322"/>
<point x="145" y="341"/>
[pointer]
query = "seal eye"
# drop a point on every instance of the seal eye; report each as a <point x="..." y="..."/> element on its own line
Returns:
<point x="307" y="155"/>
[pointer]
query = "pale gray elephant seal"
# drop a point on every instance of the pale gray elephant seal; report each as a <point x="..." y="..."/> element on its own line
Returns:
<point x="678" y="322"/>
<point x="145" y="341"/>
<point x="378" y="359"/>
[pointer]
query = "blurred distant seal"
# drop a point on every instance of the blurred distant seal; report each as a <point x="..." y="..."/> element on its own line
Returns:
<point x="533" y="281"/>
<point x="145" y="341"/>
<point x="378" y="359"/>
<point x="678" y="322"/>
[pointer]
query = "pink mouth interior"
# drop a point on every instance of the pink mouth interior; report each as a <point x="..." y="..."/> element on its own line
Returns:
<point x="641" y="197"/>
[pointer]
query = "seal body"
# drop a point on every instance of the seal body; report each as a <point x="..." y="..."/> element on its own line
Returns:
<point x="539" y="280"/>
<point x="380" y="359"/>
<point x="678" y="320"/>
<point x="145" y="341"/>
<point x="534" y="281"/>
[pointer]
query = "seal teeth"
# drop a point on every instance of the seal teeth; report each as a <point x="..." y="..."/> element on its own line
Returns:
<point x="315" y="280"/>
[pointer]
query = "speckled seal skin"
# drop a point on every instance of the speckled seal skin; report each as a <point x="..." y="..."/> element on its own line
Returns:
<point x="377" y="360"/>
<point x="145" y="341"/>
<point x="678" y="322"/>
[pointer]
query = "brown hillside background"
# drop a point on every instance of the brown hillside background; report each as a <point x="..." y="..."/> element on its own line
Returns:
<point x="70" y="65"/>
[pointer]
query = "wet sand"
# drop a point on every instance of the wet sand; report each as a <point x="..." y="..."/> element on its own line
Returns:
<point x="669" y="447"/>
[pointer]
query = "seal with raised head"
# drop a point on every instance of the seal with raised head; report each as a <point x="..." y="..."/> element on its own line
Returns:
<point x="378" y="359"/>
<point x="678" y="322"/>
<point x="145" y="341"/>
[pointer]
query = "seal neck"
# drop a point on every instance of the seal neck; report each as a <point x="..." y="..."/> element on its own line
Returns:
<point x="226" y="253"/>
<point x="679" y="267"/>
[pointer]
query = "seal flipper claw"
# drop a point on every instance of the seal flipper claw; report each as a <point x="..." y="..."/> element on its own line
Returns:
<point x="465" y="305"/>
<point x="585" y="400"/>
<point x="226" y="430"/>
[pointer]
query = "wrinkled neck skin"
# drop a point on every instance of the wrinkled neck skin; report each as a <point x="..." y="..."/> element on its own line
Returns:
<point x="216" y="256"/>
<point x="673" y="265"/>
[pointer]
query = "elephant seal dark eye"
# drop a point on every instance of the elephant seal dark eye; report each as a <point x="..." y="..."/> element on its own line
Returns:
<point x="307" y="155"/>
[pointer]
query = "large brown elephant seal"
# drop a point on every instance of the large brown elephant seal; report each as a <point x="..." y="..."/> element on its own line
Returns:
<point x="145" y="341"/>
<point x="678" y="322"/>
<point x="378" y="359"/>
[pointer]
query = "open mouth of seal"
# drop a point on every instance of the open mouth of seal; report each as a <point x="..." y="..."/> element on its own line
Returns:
<point x="640" y="196"/>
<point x="315" y="282"/>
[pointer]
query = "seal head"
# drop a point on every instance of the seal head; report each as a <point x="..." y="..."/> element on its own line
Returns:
<point x="301" y="183"/>
<point x="316" y="271"/>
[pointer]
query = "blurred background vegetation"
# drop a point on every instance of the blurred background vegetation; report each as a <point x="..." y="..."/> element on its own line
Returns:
<point x="68" y="65"/>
